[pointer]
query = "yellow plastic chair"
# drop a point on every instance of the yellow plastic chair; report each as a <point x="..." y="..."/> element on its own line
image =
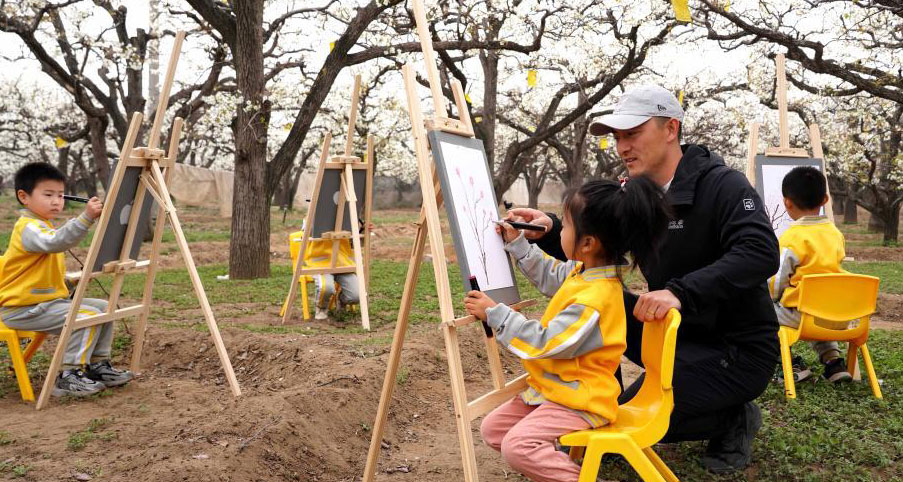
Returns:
<point x="642" y="421"/>
<point x="20" y="360"/>
<point x="294" y="247"/>
<point x="825" y="301"/>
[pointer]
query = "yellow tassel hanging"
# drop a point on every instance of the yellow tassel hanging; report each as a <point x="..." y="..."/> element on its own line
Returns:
<point x="681" y="10"/>
<point x="531" y="78"/>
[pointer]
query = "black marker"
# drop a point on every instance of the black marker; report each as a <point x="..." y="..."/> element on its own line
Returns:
<point x="476" y="287"/>
<point x="77" y="199"/>
<point x="527" y="226"/>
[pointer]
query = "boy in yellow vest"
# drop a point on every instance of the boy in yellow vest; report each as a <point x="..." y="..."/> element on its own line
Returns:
<point x="811" y="245"/>
<point x="33" y="293"/>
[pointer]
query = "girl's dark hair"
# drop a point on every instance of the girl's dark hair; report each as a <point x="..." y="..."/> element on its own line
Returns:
<point x="629" y="219"/>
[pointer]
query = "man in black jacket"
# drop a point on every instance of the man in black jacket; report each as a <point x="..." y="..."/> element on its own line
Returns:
<point x="713" y="267"/>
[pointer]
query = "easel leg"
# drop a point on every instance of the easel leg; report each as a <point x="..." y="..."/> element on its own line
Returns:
<point x="401" y="328"/>
<point x="293" y="289"/>
<point x="196" y="283"/>
<point x="459" y="396"/>
<point x="348" y="186"/>
<point x="141" y="329"/>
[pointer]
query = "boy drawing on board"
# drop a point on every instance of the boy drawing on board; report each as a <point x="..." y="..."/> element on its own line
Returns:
<point x="810" y="245"/>
<point x="33" y="293"/>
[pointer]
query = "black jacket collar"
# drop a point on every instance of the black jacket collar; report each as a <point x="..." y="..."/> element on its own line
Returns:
<point x="696" y="161"/>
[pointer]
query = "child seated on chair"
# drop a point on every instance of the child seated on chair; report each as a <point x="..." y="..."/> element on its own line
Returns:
<point x="319" y="255"/>
<point x="811" y="245"/>
<point x="33" y="293"/>
<point x="572" y="353"/>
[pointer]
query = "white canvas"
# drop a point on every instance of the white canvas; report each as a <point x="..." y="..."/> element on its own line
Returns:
<point x="773" y="177"/>
<point x="471" y="188"/>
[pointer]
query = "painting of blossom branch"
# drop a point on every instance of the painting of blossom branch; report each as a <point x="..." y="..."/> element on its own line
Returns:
<point x="470" y="187"/>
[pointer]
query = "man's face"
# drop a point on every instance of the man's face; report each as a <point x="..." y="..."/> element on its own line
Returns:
<point x="45" y="200"/>
<point x="643" y="148"/>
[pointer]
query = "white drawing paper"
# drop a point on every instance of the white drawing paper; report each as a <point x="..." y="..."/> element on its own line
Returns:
<point x="773" y="177"/>
<point x="471" y="188"/>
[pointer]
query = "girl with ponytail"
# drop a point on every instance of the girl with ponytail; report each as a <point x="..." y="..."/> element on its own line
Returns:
<point x="572" y="352"/>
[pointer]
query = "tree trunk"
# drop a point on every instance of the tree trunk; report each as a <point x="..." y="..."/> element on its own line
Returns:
<point x="892" y="226"/>
<point x="249" y="252"/>
<point x="490" y="63"/>
<point x="850" y="211"/>
<point x="876" y="224"/>
<point x="97" y="128"/>
<point x="533" y="196"/>
<point x="838" y="202"/>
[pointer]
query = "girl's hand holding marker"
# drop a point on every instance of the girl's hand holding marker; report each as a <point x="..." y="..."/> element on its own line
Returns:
<point x="508" y="228"/>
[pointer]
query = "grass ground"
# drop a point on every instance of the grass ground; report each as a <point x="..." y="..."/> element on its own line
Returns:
<point x="827" y="434"/>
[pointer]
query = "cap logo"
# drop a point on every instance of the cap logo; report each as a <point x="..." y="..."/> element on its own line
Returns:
<point x="661" y="108"/>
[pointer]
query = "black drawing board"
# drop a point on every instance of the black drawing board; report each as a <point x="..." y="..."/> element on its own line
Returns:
<point x="770" y="172"/>
<point x="327" y="201"/>
<point x="114" y="236"/>
<point x="472" y="209"/>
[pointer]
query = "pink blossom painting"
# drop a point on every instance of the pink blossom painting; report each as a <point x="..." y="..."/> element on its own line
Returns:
<point x="471" y="192"/>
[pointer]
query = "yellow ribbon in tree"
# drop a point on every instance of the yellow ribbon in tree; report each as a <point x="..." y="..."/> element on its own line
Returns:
<point x="681" y="10"/>
<point x="531" y="78"/>
<point x="60" y="142"/>
<point x="331" y="45"/>
<point x="467" y="98"/>
<point x="603" y="142"/>
<point x="680" y="98"/>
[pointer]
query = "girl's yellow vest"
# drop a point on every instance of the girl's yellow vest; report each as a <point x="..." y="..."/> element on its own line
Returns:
<point x="587" y="382"/>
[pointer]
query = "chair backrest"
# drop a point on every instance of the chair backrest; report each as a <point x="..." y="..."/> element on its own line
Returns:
<point x="838" y="296"/>
<point x="659" y="343"/>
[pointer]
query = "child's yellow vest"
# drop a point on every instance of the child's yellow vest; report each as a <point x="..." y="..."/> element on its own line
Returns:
<point x="817" y="246"/>
<point x="30" y="278"/>
<point x="586" y="382"/>
<point x="319" y="252"/>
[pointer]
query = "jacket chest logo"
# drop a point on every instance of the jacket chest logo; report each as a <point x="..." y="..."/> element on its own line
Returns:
<point x="749" y="205"/>
<point x="676" y="224"/>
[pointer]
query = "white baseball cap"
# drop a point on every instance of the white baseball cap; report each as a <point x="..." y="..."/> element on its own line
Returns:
<point x="636" y="107"/>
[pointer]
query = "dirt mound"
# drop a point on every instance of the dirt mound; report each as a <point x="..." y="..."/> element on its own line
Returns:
<point x="306" y="413"/>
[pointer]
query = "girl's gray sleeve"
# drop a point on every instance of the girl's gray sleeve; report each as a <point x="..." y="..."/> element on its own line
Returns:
<point x="571" y="333"/>
<point x="544" y="271"/>
<point x="40" y="237"/>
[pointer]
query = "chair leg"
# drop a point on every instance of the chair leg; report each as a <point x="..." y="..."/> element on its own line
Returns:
<point x="660" y="465"/>
<point x="853" y="361"/>
<point x="873" y="379"/>
<point x="305" y="303"/>
<point x="787" y="365"/>
<point x="591" y="462"/>
<point x="643" y="466"/>
<point x="19" y="367"/>
<point x="33" y="346"/>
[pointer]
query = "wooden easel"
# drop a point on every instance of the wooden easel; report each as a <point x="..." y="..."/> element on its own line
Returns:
<point x="429" y="225"/>
<point x="784" y="149"/>
<point x="347" y="164"/>
<point x="157" y="166"/>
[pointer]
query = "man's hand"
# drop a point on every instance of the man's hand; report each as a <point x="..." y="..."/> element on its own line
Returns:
<point x="653" y="306"/>
<point x="476" y="303"/>
<point x="533" y="216"/>
<point x="94" y="208"/>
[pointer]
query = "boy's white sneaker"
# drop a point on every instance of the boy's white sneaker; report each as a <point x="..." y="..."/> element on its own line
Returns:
<point x="321" y="314"/>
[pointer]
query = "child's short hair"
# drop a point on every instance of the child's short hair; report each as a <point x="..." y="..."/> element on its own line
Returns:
<point x="29" y="175"/>
<point x="632" y="218"/>
<point x="805" y="186"/>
